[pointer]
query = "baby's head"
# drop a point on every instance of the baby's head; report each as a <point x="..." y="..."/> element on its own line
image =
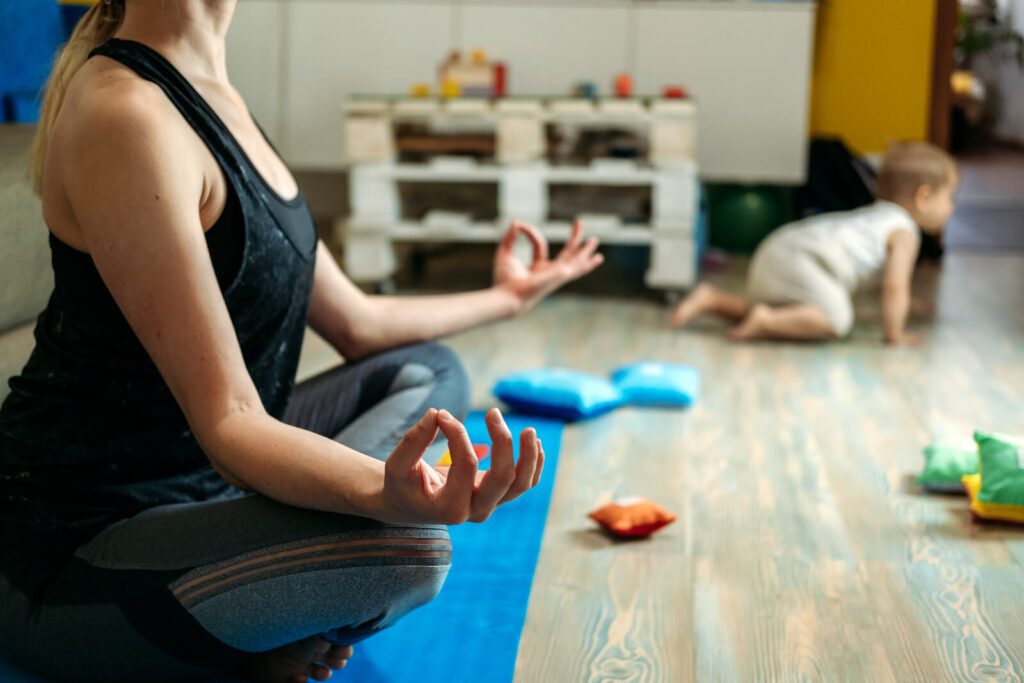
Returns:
<point x="922" y="179"/>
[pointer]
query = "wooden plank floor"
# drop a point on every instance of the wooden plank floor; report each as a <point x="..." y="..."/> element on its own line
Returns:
<point x="803" y="550"/>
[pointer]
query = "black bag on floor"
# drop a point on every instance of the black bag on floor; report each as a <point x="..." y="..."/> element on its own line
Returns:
<point x="837" y="179"/>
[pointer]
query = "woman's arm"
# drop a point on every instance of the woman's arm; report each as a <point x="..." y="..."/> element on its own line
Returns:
<point x="135" y="185"/>
<point x="899" y="269"/>
<point x="358" y="325"/>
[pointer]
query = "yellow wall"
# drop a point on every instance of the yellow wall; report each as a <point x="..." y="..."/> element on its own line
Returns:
<point x="872" y="71"/>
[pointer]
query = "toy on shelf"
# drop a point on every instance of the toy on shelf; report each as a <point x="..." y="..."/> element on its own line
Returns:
<point x="500" y="79"/>
<point x="623" y="85"/>
<point x="586" y="90"/>
<point x="674" y="92"/>
<point x="419" y="90"/>
<point x="473" y="77"/>
<point x="632" y="517"/>
<point x="450" y="88"/>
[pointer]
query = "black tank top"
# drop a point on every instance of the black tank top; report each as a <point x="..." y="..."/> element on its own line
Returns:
<point x="90" y="432"/>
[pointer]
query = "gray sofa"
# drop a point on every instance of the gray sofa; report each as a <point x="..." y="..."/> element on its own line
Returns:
<point x="26" y="278"/>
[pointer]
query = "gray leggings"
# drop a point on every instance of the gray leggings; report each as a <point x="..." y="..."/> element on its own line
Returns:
<point x="179" y="592"/>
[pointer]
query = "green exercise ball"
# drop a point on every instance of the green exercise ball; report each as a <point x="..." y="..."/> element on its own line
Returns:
<point x="743" y="215"/>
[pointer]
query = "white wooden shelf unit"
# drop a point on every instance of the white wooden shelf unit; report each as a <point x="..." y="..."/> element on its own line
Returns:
<point x="523" y="177"/>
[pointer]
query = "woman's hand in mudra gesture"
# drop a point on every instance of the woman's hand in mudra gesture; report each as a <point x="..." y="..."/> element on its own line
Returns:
<point x="416" y="492"/>
<point x="532" y="283"/>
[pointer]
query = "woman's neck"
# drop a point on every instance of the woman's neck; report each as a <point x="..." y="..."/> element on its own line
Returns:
<point x="188" y="32"/>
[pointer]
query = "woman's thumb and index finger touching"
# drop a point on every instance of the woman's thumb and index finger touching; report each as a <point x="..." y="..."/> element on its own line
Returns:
<point x="463" y="496"/>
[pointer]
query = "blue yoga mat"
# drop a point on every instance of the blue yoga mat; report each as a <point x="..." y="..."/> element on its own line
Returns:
<point x="470" y="632"/>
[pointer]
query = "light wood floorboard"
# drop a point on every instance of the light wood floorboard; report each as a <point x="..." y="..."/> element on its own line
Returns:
<point x="803" y="550"/>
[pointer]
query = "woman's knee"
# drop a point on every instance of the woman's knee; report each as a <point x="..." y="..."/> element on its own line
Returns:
<point x="345" y="591"/>
<point x="407" y="582"/>
<point x="415" y="586"/>
<point x="446" y="371"/>
<point x="396" y="590"/>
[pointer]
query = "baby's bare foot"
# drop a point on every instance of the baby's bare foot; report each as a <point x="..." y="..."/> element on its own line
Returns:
<point x="753" y="326"/>
<point x="298" y="662"/>
<point x="692" y="306"/>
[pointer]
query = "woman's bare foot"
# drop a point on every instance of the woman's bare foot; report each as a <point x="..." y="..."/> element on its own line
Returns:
<point x="697" y="303"/>
<point x="312" y="658"/>
<point x="753" y="326"/>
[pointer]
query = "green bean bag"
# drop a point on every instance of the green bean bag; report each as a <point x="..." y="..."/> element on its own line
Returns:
<point x="1001" y="465"/>
<point x="945" y="464"/>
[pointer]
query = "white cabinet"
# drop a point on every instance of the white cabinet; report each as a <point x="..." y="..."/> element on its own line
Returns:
<point x="255" y="61"/>
<point x="337" y="49"/>
<point x="748" y="64"/>
<point x="749" y="67"/>
<point x="548" y="49"/>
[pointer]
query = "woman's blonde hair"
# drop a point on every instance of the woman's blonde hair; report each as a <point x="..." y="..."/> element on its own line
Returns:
<point x="94" y="28"/>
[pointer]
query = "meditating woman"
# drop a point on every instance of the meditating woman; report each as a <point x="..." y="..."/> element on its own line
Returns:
<point x="169" y="506"/>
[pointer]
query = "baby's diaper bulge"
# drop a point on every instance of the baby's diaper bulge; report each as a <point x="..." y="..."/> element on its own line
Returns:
<point x="786" y="270"/>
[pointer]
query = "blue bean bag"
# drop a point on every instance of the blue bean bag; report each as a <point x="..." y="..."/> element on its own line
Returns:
<point x="657" y="384"/>
<point x="557" y="392"/>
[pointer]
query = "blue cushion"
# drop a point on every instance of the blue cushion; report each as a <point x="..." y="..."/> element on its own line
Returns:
<point x="657" y="384"/>
<point x="557" y="392"/>
<point x="30" y="33"/>
<point x="71" y="14"/>
<point x="21" y="106"/>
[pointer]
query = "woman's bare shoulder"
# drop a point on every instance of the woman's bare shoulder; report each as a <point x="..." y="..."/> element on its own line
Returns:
<point x="104" y="97"/>
<point x="109" y="116"/>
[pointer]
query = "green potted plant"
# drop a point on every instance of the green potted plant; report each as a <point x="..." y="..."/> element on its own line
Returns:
<point x="983" y="30"/>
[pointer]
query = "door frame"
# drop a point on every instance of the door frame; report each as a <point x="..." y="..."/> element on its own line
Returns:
<point x="946" y="12"/>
